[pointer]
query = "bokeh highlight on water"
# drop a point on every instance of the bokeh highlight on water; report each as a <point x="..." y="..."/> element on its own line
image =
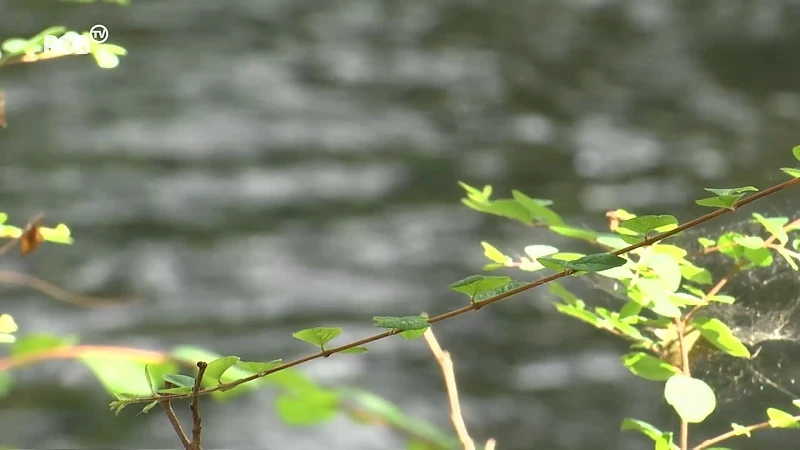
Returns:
<point x="253" y="168"/>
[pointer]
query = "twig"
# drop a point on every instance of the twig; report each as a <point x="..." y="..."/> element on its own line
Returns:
<point x="681" y="329"/>
<point x="176" y="424"/>
<point x="477" y="306"/>
<point x="195" y="406"/>
<point x="446" y="363"/>
<point x="734" y="433"/>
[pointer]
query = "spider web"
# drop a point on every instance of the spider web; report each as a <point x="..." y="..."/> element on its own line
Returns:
<point x="765" y="316"/>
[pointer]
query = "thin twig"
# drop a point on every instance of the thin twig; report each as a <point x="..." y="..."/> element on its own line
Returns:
<point x="176" y="424"/>
<point x="446" y="363"/>
<point x="195" y="406"/>
<point x="734" y="433"/>
<point x="476" y="306"/>
<point x="681" y="329"/>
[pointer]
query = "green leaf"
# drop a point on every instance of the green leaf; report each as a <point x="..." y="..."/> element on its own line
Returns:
<point x="176" y="390"/>
<point x="789" y="256"/>
<point x="401" y="323"/>
<point x="726" y="201"/>
<point x="566" y="296"/>
<point x="105" y="59"/>
<point x="692" y="399"/>
<point x="645" y="428"/>
<point x="718" y="334"/>
<point x="154" y="374"/>
<point x="318" y="336"/>
<point x="791" y="171"/>
<point x="355" y="350"/>
<point x="190" y="355"/>
<point x="649" y="367"/>
<point x="15" y="45"/>
<point x="477" y="194"/>
<point x="495" y="254"/>
<point x="34" y="343"/>
<point x="179" y="380"/>
<point x="781" y="419"/>
<point x="217" y="367"/>
<point x="774" y="226"/>
<point x="643" y="225"/>
<point x="6" y="383"/>
<point x="309" y="407"/>
<point x="696" y="274"/>
<point x="410" y="335"/>
<point x="258" y="367"/>
<point x="590" y="263"/>
<point x="706" y="242"/>
<point x="580" y="313"/>
<point x="476" y="284"/>
<point x="3" y="218"/>
<point x="486" y="295"/>
<point x="58" y="235"/>
<point x="796" y="152"/>
<point x="666" y="268"/>
<point x="732" y="191"/>
<point x="740" y="430"/>
<point x="537" y="209"/>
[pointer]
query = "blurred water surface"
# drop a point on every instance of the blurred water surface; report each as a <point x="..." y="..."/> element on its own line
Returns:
<point x="257" y="167"/>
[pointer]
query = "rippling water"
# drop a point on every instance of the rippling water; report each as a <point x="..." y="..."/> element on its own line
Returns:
<point x="255" y="167"/>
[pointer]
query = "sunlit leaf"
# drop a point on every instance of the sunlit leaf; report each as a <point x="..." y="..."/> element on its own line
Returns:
<point x="537" y="209"/>
<point x="718" y="334"/>
<point x="258" y="367"/>
<point x="40" y="342"/>
<point x="791" y="171"/>
<point x="494" y="254"/>
<point x="7" y="324"/>
<point x="579" y="233"/>
<point x="692" y="398"/>
<point x="740" y="430"/>
<point x="774" y="226"/>
<point x="732" y="191"/>
<point x="118" y="374"/>
<point x="781" y="419"/>
<point x="796" y="152"/>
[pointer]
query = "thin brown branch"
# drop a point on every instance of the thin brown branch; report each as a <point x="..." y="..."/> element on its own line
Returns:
<point x="58" y="293"/>
<point x="734" y="433"/>
<point x="497" y="298"/>
<point x="176" y="424"/>
<point x="195" y="406"/>
<point x="446" y="363"/>
<point x="681" y="329"/>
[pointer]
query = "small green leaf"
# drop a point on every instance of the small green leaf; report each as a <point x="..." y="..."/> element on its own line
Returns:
<point x="796" y="152"/>
<point x="642" y="427"/>
<point x="486" y="295"/>
<point x="740" y="430"/>
<point x="789" y="256"/>
<point x="410" y="335"/>
<point x="105" y="59"/>
<point x="216" y="368"/>
<point x="179" y="380"/>
<point x="649" y="367"/>
<point x="590" y="263"/>
<point x="318" y="336"/>
<point x="118" y="374"/>
<point x="355" y="350"/>
<point x="706" y="242"/>
<point x="258" y="367"/>
<point x="58" y="235"/>
<point x="718" y="334"/>
<point x="774" y="226"/>
<point x="781" y="419"/>
<point x="495" y="254"/>
<point x="537" y="209"/>
<point x="791" y="171"/>
<point x="732" y="191"/>
<point x="666" y="268"/>
<point x="643" y="225"/>
<point x="580" y="313"/>
<point x="476" y="284"/>
<point x="401" y="323"/>
<point x="692" y="399"/>
<point x="726" y="201"/>
<point x="148" y="407"/>
<point x="696" y="274"/>
<point x="176" y="390"/>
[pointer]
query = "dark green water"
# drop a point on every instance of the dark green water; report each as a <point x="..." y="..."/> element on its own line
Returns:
<point x="257" y="167"/>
